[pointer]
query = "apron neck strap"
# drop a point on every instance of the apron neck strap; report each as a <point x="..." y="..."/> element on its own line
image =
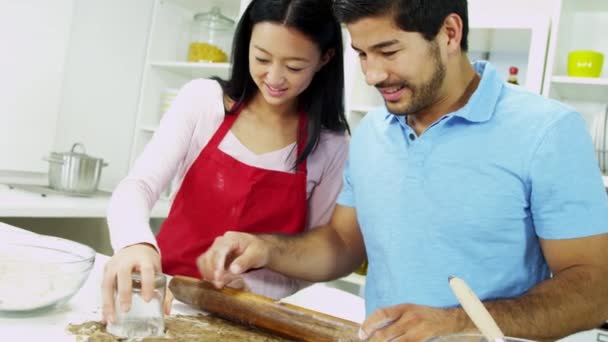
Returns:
<point x="235" y="110"/>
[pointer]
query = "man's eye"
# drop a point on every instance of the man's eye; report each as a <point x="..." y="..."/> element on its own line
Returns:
<point x="388" y="53"/>
<point x="362" y="55"/>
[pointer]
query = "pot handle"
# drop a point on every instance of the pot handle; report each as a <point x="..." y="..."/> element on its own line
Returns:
<point x="81" y="146"/>
<point x="51" y="160"/>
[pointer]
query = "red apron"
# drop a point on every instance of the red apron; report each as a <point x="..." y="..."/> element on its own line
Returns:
<point x="220" y="194"/>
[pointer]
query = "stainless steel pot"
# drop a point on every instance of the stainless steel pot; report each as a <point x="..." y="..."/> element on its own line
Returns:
<point x="74" y="172"/>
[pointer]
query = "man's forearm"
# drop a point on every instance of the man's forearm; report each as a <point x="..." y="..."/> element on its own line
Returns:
<point x="317" y="255"/>
<point x="575" y="299"/>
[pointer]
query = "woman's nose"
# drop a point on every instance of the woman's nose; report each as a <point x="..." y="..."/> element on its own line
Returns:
<point x="275" y="75"/>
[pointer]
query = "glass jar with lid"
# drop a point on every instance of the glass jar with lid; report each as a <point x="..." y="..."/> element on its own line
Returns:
<point x="211" y="37"/>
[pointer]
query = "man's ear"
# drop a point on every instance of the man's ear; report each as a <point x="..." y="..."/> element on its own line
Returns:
<point x="452" y="29"/>
<point x="327" y="56"/>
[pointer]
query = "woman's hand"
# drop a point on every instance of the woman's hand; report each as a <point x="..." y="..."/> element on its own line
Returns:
<point x="117" y="277"/>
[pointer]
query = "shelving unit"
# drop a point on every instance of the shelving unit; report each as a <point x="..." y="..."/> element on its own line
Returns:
<point x="165" y="64"/>
<point x="579" y="88"/>
<point x="577" y="25"/>
<point x="193" y="70"/>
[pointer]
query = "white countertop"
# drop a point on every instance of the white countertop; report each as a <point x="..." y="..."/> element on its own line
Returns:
<point x="85" y="306"/>
<point x="21" y="203"/>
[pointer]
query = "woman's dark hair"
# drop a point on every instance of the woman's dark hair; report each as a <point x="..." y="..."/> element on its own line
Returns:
<point x="423" y="16"/>
<point x="323" y="100"/>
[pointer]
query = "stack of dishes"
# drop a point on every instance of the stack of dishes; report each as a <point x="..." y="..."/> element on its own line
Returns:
<point x="167" y="97"/>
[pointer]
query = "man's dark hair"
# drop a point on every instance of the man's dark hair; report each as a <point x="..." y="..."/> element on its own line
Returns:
<point x="423" y="16"/>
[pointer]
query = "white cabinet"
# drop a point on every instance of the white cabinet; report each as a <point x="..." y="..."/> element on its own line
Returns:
<point x="577" y="25"/>
<point x="498" y="33"/>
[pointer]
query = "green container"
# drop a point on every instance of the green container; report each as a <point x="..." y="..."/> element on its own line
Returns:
<point x="585" y="63"/>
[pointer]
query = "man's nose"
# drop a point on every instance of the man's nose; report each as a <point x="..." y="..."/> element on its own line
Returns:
<point x="374" y="72"/>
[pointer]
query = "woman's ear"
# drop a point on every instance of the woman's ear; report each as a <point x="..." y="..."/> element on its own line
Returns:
<point x="327" y="56"/>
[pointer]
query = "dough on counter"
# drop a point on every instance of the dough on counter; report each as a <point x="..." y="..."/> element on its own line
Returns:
<point x="180" y="328"/>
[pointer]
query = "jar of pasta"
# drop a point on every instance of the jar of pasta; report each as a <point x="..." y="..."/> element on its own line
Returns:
<point x="211" y="37"/>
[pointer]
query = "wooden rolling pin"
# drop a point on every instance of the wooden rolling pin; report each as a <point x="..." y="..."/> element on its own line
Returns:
<point x="283" y="319"/>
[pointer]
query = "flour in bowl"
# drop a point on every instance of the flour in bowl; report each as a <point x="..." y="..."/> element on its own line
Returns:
<point x="30" y="284"/>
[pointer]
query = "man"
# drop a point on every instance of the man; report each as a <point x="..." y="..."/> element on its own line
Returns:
<point x="460" y="175"/>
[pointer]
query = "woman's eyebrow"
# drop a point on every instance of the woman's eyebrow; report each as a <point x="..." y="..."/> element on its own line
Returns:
<point x="293" y="58"/>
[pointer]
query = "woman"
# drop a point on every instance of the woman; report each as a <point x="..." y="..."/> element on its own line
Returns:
<point x="261" y="152"/>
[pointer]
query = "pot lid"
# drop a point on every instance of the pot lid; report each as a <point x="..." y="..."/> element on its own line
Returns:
<point x="77" y="150"/>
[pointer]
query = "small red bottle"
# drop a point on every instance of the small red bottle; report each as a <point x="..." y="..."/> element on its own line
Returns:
<point x="513" y="75"/>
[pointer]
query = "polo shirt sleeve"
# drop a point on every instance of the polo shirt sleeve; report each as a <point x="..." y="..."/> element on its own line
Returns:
<point x="346" y="197"/>
<point x="567" y="195"/>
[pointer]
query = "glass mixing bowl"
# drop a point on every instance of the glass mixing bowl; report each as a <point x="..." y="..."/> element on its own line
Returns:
<point x="41" y="273"/>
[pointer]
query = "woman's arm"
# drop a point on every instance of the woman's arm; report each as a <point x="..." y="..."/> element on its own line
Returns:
<point x="133" y="199"/>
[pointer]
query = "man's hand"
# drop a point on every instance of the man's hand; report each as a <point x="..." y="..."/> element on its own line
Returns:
<point x="410" y="322"/>
<point x="231" y="255"/>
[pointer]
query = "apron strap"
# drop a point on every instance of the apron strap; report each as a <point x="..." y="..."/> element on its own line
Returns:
<point x="229" y="120"/>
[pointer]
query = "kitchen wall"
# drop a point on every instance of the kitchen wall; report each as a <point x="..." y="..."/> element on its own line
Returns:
<point x="34" y="38"/>
<point x="71" y="72"/>
<point x="102" y="80"/>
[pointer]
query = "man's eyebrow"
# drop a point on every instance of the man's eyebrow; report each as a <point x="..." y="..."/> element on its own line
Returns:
<point x="380" y="45"/>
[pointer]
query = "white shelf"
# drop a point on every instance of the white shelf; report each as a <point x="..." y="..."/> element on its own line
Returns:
<point x="580" y="88"/>
<point x="230" y="8"/>
<point x="581" y="80"/>
<point x="193" y="70"/>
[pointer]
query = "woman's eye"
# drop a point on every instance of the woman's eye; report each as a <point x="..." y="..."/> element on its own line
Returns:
<point x="262" y="60"/>
<point x="294" y="69"/>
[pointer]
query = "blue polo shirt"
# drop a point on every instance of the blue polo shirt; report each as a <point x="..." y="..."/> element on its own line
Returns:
<point x="472" y="195"/>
